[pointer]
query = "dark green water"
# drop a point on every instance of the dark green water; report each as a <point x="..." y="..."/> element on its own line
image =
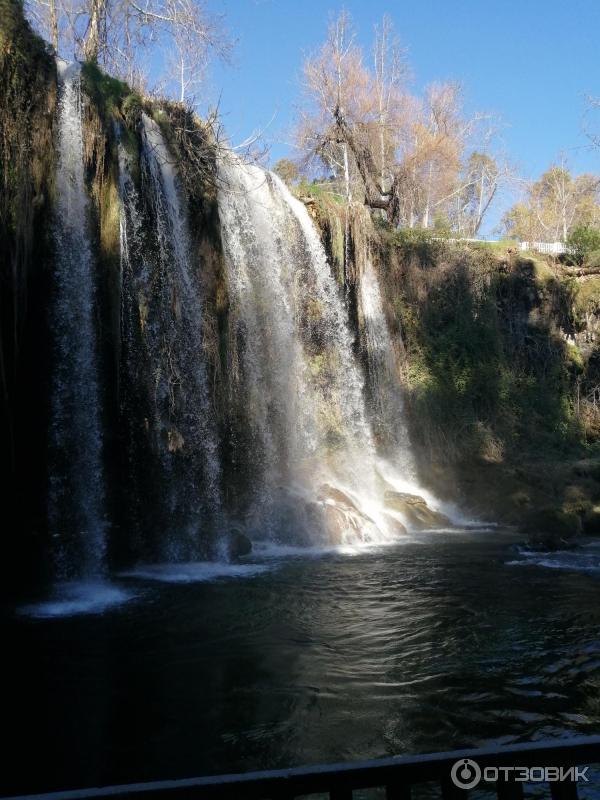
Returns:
<point x="433" y="645"/>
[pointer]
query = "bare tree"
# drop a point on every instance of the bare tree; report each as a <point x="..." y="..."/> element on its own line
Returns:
<point x="187" y="62"/>
<point x="554" y="205"/>
<point x="593" y="107"/>
<point x="47" y="16"/>
<point x="119" y="34"/>
<point x="390" y="72"/>
<point x="405" y="155"/>
<point x="479" y="183"/>
<point x="335" y="83"/>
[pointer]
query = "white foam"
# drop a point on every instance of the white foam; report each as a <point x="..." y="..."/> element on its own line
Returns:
<point x="194" y="572"/>
<point x="410" y="486"/>
<point x="584" y="559"/>
<point x="271" y="551"/>
<point x="78" y="597"/>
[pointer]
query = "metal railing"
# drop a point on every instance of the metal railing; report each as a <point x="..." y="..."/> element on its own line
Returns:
<point x="396" y="775"/>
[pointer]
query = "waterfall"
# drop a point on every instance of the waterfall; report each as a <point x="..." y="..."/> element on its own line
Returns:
<point x="162" y="303"/>
<point x="310" y="446"/>
<point x="385" y="392"/>
<point x="133" y="387"/>
<point x="77" y="491"/>
<point x="244" y="412"/>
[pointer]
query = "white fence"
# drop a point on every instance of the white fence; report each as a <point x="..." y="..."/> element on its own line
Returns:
<point x="551" y="248"/>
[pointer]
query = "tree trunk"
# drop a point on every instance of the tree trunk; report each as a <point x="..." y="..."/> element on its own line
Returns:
<point x="479" y="203"/>
<point x="91" y="45"/>
<point x="382" y="151"/>
<point x="54" y="25"/>
<point x="347" y="173"/>
<point x="483" y="211"/>
<point x="428" y="200"/>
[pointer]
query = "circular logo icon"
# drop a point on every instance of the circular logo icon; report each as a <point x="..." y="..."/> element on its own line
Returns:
<point x="465" y="773"/>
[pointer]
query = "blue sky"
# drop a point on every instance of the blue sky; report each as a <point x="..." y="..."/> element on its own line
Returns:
<point x="532" y="62"/>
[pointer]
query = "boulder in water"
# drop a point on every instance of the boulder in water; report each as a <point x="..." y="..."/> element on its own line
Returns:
<point x="395" y="525"/>
<point x="175" y="441"/>
<point x="415" y="510"/>
<point x="343" y="518"/>
<point x="343" y="524"/>
<point x="238" y="544"/>
<point x="331" y="494"/>
<point x="591" y="521"/>
<point x="552" y="528"/>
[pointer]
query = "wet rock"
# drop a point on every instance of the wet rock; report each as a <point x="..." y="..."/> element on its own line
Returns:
<point x="313" y="513"/>
<point x="343" y="524"/>
<point x="238" y="544"/>
<point x="327" y="492"/>
<point x="175" y="441"/>
<point x="395" y="525"/>
<point x="591" y="521"/>
<point x="415" y="510"/>
<point x="343" y="519"/>
<point x="552" y="528"/>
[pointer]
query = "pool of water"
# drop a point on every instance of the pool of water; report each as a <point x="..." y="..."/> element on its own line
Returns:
<point x="448" y="640"/>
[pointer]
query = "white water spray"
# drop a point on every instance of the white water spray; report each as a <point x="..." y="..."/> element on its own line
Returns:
<point x="314" y="459"/>
<point x="162" y="284"/>
<point x="77" y="491"/>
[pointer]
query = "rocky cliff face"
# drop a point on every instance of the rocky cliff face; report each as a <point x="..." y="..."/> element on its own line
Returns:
<point x="31" y="235"/>
<point x="27" y="113"/>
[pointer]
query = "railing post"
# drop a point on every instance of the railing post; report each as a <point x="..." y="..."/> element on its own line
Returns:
<point x="341" y="794"/>
<point x="508" y="789"/>
<point x="282" y="794"/>
<point x="452" y="792"/>
<point x="563" y="790"/>
<point x="397" y="791"/>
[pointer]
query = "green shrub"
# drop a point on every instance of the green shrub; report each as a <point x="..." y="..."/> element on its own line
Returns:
<point x="584" y="239"/>
<point x="593" y="259"/>
<point x="490" y="378"/>
<point x="103" y="89"/>
<point x="132" y="108"/>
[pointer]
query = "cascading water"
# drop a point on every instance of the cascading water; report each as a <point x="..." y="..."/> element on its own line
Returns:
<point x="133" y="387"/>
<point x="76" y="495"/>
<point x="295" y="455"/>
<point x="77" y="491"/>
<point x="314" y="462"/>
<point x="385" y="394"/>
<point x="163" y="302"/>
